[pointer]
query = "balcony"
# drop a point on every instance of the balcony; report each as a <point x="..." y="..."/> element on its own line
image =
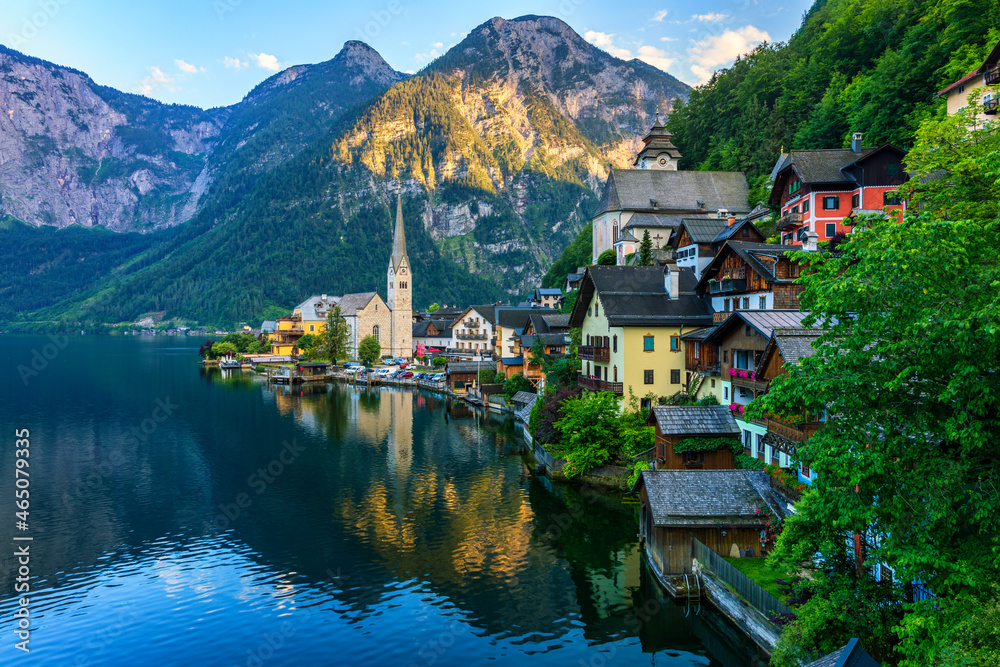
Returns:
<point x="992" y="76"/>
<point x="470" y="336"/>
<point x="990" y="106"/>
<point x="706" y="367"/>
<point x="594" y="353"/>
<point x="727" y="285"/>
<point x="472" y="324"/>
<point x="749" y="383"/>
<point x="789" y="220"/>
<point x="596" y="384"/>
<point x="796" y="434"/>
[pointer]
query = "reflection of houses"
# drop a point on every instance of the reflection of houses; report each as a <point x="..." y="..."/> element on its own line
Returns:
<point x="675" y="424"/>
<point x="655" y="197"/>
<point x="816" y="189"/>
<point x="632" y="318"/>
<point x="718" y="507"/>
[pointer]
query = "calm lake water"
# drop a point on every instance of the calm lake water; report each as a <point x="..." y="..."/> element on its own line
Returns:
<point x="183" y="517"/>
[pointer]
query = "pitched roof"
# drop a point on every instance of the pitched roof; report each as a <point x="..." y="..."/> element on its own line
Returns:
<point x="795" y="344"/>
<point x="268" y="326"/>
<point x="677" y="191"/>
<point x="398" y="237"/>
<point x="517" y="318"/>
<point x="654" y="220"/>
<point x="549" y="291"/>
<point x="420" y="329"/>
<point x="704" y="230"/>
<point x="488" y="313"/>
<point x="694" y="420"/>
<point x="466" y="366"/>
<point x="314" y="308"/>
<point x="555" y="321"/>
<point x="764" y="321"/>
<point x="637" y="296"/>
<point x="750" y="253"/>
<point x="350" y="304"/>
<point x="524" y="397"/>
<point x="991" y="59"/>
<point x="561" y="338"/>
<point x="730" y="231"/>
<point x="706" y="497"/>
<point x="825" y="165"/>
<point x="852" y="654"/>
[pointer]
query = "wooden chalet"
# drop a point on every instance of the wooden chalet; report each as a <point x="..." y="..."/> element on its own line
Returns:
<point x="786" y="347"/>
<point x="750" y="276"/>
<point x="676" y="423"/>
<point x="718" y="507"/>
<point x="698" y="240"/>
<point x="463" y="375"/>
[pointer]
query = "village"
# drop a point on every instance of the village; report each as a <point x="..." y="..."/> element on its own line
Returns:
<point x="688" y="312"/>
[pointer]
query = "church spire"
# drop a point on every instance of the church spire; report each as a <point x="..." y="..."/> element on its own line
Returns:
<point x="399" y="237"/>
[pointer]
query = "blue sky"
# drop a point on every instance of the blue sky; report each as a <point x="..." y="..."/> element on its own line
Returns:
<point x="212" y="52"/>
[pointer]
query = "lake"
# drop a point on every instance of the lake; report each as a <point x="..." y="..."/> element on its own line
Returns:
<point x="182" y="516"/>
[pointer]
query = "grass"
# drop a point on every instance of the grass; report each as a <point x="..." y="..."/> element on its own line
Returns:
<point x="762" y="574"/>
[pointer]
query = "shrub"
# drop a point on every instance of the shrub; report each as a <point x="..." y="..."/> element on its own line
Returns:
<point x="439" y="361"/>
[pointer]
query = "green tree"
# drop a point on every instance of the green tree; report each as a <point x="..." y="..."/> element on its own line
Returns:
<point x="433" y="308"/>
<point x="646" y="249"/>
<point x="516" y="383"/>
<point x="607" y="258"/>
<point x="438" y="362"/>
<point x="486" y="375"/>
<point x="588" y="426"/>
<point x="221" y="349"/>
<point x="335" y="341"/>
<point x="308" y="345"/>
<point x="369" y="350"/>
<point x="569" y="301"/>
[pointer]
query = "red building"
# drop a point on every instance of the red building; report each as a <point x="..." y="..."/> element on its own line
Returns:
<point x="817" y="189"/>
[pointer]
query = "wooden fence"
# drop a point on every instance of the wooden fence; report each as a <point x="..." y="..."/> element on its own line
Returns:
<point x="758" y="598"/>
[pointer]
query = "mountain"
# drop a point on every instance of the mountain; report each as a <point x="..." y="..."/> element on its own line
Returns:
<point x="498" y="148"/>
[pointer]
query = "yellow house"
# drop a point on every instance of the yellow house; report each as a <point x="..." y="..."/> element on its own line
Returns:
<point x="364" y="312"/>
<point x="632" y="319"/>
<point x="988" y="74"/>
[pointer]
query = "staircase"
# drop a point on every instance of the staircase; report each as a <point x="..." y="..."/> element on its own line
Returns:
<point x="695" y="385"/>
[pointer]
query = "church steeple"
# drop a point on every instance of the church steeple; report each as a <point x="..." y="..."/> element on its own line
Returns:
<point x="657" y="151"/>
<point x="399" y="237"/>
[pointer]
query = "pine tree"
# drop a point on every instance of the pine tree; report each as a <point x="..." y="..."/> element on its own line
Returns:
<point x="646" y="250"/>
<point x="336" y="338"/>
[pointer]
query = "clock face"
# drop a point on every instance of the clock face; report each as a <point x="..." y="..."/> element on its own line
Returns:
<point x="663" y="160"/>
<point x="390" y="272"/>
<point x="402" y="271"/>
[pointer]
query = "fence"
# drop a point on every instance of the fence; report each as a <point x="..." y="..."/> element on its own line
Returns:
<point x="760" y="599"/>
<point x="541" y="455"/>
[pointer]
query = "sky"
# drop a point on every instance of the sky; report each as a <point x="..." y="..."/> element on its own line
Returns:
<point x="211" y="53"/>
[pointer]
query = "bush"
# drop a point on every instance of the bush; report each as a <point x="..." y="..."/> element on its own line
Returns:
<point x="708" y="399"/>
<point x="439" y="361"/>
<point x="515" y="384"/>
<point x="607" y="258"/>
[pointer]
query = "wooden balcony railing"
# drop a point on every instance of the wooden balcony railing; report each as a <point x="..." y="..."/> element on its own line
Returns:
<point x="596" y="384"/>
<point x="471" y="336"/>
<point x="795" y="434"/>
<point x="755" y="385"/>
<point x="727" y="285"/>
<point x="594" y="353"/>
<point x="992" y="76"/>
<point x="789" y="220"/>
<point x="472" y="324"/>
<point x="700" y="366"/>
<point x="990" y="106"/>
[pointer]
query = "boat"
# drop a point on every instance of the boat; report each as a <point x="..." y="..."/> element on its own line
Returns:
<point x="229" y="363"/>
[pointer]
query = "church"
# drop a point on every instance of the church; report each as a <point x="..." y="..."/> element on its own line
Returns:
<point x="655" y="196"/>
<point x="390" y="321"/>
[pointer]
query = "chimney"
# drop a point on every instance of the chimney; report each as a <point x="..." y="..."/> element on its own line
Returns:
<point x="323" y="297"/>
<point x="856" y="141"/>
<point x="731" y="221"/>
<point x="809" y="244"/>
<point x="671" y="280"/>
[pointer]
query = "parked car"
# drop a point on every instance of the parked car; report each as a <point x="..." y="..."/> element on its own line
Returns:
<point x="352" y="364"/>
<point x="406" y="374"/>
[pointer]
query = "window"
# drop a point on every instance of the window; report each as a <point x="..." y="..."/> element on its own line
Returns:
<point x="647" y="343"/>
<point x="795" y="209"/>
<point x="675" y="343"/>
<point x="775" y="457"/>
<point x="744" y="232"/>
<point x="555" y="350"/>
<point x="961" y="89"/>
<point x="794" y="186"/>
<point x="742" y="359"/>
<point x="760" y="445"/>
<point x="805" y="206"/>
<point x="831" y="203"/>
<point x="856" y="201"/>
<point x="831" y="230"/>
<point x="697" y="349"/>
<point x="725" y="356"/>
<point x="736" y="304"/>
<point x="616" y="374"/>
<point x="597" y="310"/>
<point x="647" y="377"/>
<point x="713" y="383"/>
<point x="746" y="303"/>
<point x="375" y="332"/>
<point x="605" y="373"/>
<point x="675" y="376"/>
<point x="725" y="393"/>
<point x="747" y="442"/>
<point x="614" y="340"/>
<point x="725" y="305"/>
<point x="694" y="458"/>
<point x="762" y="303"/>
<point x="588" y="312"/>
<point x="805" y="469"/>
<point x="891" y="199"/>
<point x="312" y="327"/>
<point x="748" y="331"/>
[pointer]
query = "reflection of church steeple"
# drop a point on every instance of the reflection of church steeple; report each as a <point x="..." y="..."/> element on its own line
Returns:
<point x="657" y="152"/>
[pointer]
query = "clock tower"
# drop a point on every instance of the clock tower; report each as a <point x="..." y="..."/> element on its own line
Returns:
<point x="657" y="151"/>
<point x="400" y="282"/>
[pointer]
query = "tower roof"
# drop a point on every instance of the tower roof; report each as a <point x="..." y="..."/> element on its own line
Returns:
<point x="399" y="237"/>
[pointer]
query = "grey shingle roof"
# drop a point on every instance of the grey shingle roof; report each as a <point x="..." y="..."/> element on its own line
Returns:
<point x="350" y="304"/>
<point x="268" y="326"/>
<point x="704" y="497"/>
<point x="764" y="321"/>
<point x="716" y="420"/>
<point x="796" y="343"/>
<point x="524" y="397"/>
<point x="420" y="328"/>
<point x="313" y="313"/>
<point x="560" y="321"/>
<point x="517" y="318"/>
<point x="728" y="232"/>
<point x="751" y="253"/>
<point x="677" y="191"/>
<point x="547" y="339"/>
<point x="466" y="366"/>
<point x="824" y="166"/>
<point x="851" y="654"/>
<point x="705" y="230"/>
<point x="549" y="291"/>
<point x="636" y="296"/>
<point x="700" y="334"/>
<point x="654" y="220"/>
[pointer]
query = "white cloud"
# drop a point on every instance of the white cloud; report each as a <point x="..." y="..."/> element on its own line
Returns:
<point x="668" y="39"/>
<point x="603" y="40"/>
<point x="430" y="55"/>
<point x="438" y="45"/>
<point x="235" y="63"/>
<point x="660" y="15"/>
<point x="266" y="61"/>
<point x="157" y="80"/>
<point x="710" y="17"/>
<point x="186" y="67"/>
<point x="655" y="57"/>
<point x="715" y="50"/>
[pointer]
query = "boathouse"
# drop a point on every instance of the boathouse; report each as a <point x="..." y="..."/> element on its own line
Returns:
<point x="694" y="437"/>
<point x="724" y="509"/>
<point x="462" y="375"/>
